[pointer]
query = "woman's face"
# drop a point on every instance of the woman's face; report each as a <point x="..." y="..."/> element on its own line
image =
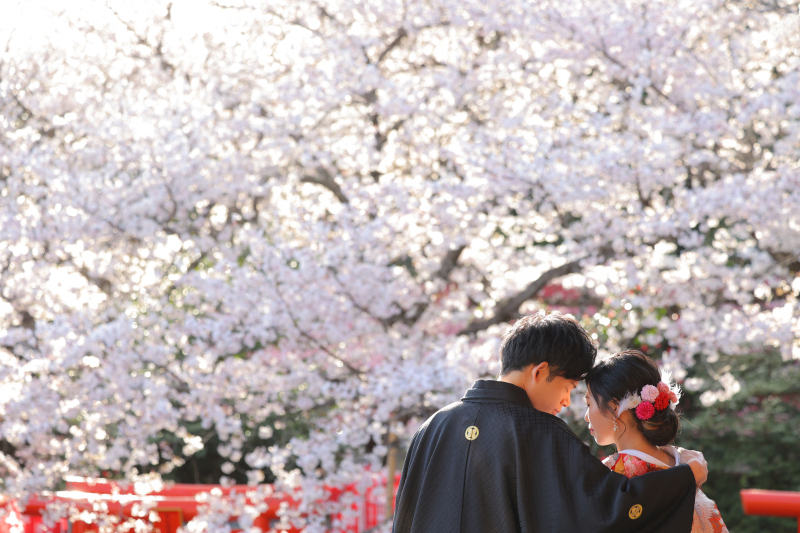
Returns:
<point x="601" y="424"/>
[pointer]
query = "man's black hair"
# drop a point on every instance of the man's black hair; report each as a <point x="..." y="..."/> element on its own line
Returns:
<point x="555" y="338"/>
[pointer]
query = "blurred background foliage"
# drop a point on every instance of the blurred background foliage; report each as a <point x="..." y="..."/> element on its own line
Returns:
<point x="750" y="440"/>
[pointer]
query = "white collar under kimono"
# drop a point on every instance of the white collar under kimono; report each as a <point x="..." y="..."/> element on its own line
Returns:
<point x="673" y="451"/>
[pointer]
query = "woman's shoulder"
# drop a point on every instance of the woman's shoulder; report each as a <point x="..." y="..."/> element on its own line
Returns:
<point x="611" y="460"/>
<point x="631" y="466"/>
<point x="614" y="463"/>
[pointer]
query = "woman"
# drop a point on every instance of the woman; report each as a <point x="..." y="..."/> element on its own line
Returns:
<point x="632" y="406"/>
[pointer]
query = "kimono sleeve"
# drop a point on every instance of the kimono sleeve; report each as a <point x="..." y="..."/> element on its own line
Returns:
<point x="605" y="501"/>
<point x="407" y="495"/>
<point x="412" y="449"/>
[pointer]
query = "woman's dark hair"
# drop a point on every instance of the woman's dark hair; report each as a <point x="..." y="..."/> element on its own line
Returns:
<point x="553" y="338"/>
<point x="630" y="371"/>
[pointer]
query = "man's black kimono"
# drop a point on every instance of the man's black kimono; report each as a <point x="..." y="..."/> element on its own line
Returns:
<point x="493" y="463"/>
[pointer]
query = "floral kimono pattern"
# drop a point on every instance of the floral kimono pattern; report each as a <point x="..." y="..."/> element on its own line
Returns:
<point x="706" y="515"/>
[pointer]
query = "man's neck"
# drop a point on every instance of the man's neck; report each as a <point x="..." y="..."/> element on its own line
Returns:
<point x="514" y="377"/>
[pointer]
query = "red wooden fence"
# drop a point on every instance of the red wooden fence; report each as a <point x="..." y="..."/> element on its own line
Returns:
<point x="177" y="504"/>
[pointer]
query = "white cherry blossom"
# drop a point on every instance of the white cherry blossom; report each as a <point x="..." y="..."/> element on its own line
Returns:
<point x="233" y="211"/>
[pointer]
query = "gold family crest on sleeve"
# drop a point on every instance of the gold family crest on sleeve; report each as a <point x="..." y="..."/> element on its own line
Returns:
<point x="635" y="512"/>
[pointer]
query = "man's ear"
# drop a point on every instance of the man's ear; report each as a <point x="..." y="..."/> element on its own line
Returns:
<point x="540" y="372"/>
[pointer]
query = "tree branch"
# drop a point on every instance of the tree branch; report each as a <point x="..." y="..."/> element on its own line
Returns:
<point x="323" y="177"/>
<point x="449" y="262"/>
<point x="401" y="34"/>
<point x="508" y="309"/>
<point x="100" y="282"/>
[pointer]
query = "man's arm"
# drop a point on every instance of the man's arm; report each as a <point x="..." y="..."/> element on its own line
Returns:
<point x="598" y="500"/>
<point x="405" y="502"/>
<point x="660" y="501"/>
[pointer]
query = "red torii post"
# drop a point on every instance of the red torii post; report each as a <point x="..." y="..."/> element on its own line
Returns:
<point x="771" y="503"/>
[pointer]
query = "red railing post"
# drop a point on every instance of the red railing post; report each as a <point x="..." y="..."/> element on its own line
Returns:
<point x="771" y="503"/>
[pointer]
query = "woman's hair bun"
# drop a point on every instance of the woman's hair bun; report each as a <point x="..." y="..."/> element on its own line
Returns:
<point x="662" y="428"/>
<point x="630" y="371"/>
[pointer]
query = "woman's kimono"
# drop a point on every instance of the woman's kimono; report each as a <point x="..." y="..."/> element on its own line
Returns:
<point x="633" y="463"/>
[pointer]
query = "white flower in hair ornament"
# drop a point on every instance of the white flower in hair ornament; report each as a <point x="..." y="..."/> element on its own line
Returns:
<point x="652" y="398"/>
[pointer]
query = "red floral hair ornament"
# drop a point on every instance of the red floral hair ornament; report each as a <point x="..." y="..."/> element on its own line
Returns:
<point x="645" y="411"/>
<point x="662" y="402"/>
<point x="651" y="398"/>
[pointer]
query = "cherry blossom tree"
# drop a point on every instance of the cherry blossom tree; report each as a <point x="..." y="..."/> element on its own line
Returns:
<point x="231" y="214"/>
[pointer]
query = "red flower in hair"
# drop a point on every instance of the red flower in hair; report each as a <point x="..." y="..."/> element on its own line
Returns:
<point x="645" y="411"/>
<point x="673" y="397"/>
<point x="662" y="402"/>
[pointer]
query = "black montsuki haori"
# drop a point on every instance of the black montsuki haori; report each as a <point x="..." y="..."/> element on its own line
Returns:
<point x="493" y="463"/>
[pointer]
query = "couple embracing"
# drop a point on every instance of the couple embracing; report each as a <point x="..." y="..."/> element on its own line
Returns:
<point x="500" y="460"/>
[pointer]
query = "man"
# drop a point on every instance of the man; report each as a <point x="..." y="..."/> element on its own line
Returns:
<point x="500" y="460"/>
